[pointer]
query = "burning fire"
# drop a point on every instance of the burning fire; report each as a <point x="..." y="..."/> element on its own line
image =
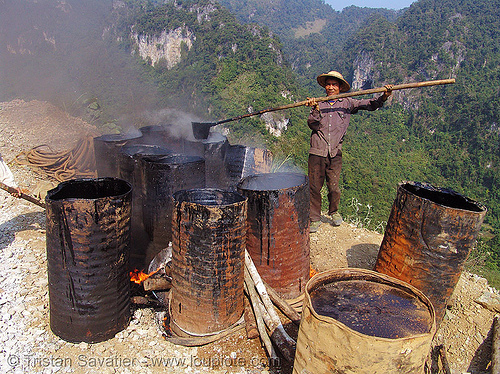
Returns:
<point x="138" y="276"/>
<point x="312" y="272"/>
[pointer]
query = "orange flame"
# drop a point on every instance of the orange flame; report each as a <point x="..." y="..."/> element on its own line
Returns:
<point x="138" y="276"/>
<point x="312" y="272"/>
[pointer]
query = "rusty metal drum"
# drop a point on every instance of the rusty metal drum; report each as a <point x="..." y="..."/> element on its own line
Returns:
<point x="278" y="229"/>
<point x="429" y="235"/>
<point x="88" y="237"/>
<point x="357" y="321"/>
<point x="208" y="248"/>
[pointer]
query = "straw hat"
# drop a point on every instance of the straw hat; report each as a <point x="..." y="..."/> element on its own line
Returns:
<point x="344" y="86"/>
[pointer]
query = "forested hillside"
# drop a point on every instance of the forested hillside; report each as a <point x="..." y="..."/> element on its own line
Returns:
<point x="312" y="33"/>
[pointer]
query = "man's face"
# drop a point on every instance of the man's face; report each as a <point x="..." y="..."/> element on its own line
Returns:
<point x="332" y="87"/>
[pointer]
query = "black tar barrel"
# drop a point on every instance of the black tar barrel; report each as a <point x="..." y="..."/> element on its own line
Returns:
<point x="88" y="237"/>
<point x="163" y="136"/>
<point x="163" y="176"/>
<point x="278" y="229"/>
<point x="208" y="247"/>
<point x="106" y="151"/>
<point x="429" y="235"/>
<point x="213" y="150"/>
<point x="241" y="161"/>
<point x="131" y="171"/>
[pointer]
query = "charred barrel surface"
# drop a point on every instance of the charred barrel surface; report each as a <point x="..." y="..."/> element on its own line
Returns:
<point x="163" y="176"/>
<point x="88" y="235"/>
<point x="106" y="151"/>
<point x="278" y="229"/>
<point x="130" y="170"/>
<point x="359" y="321"/>
<point x="214" y="151"/>
<point x="429" y="235"/>
<point x="208" y="248"/>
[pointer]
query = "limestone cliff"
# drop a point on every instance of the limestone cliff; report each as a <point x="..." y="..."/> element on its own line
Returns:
<point x="167" y="46"/>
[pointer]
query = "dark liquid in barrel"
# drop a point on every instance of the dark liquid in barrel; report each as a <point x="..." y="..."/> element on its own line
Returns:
<point x="372" y="308"/>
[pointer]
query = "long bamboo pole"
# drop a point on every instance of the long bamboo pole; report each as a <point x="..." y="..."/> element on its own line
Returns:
<point x="343" y="95"/>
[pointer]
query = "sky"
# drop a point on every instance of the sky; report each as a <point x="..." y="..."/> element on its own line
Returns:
<point x="389" y="4"/>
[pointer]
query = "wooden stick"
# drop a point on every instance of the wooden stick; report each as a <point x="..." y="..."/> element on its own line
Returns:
<point x="29" y="198"/>
<point x="261" y="326"/>
<point x="283" y="341"/>
<point x="495" y="347"/>
<point x="156" y="284"/>
<point x="250" y="322"/>
<point x="283" y="305"/>
<point x="343" y="95"/>
<point x="444" y="359"/>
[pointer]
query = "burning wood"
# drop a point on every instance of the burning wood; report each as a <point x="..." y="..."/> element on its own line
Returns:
<point x="156" y="284"/>
<point x="138" y="276"/>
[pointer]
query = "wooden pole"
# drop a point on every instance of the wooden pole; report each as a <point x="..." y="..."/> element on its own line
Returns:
<point x="261" y="326"/>
<point x="250" y="321"/>
<point x="343" y="95"/>
<point x="29" y="198"/>
<point x="283" y="305"/>
<point x="495" y="347"/>
<point x="283" y="341"/>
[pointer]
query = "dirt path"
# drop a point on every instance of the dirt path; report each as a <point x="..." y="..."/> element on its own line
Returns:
<point x="30" y="346"/>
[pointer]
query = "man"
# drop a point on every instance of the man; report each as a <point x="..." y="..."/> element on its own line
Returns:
<point x="328" y="121"/>
<point x="7" y="178"/>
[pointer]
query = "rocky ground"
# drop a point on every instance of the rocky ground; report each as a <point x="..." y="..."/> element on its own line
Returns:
<point x="29" y="346"/>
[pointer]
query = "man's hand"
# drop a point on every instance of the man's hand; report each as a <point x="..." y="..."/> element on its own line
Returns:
<point x="17" y="192"/>
<point x="388" y="92"/>
<point x="312" y="103"/>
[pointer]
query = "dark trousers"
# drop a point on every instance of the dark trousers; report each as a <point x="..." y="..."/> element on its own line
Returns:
<point x="319" y="169"/>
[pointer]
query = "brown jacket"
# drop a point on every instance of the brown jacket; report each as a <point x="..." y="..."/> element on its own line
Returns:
<point x="330" y="123"/>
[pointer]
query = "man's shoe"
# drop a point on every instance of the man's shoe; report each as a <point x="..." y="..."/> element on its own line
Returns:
<point x="314" y="226"/>
<point x="336" y="219"/>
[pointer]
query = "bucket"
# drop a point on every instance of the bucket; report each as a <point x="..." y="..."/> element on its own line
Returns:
<point x="429" y="235"/>
<point x="278" y="229"/>
<point x="357" y="321"/>
<point x="88" y="235"/>
<point x="208" y="248"/>
<point x="162" y="176"/>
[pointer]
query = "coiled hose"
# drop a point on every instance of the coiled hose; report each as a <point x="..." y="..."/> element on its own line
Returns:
<point x="79" y="162"/>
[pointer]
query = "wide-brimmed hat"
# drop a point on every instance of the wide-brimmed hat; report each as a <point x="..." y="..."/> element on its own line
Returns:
<point x="344" y="86"/>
